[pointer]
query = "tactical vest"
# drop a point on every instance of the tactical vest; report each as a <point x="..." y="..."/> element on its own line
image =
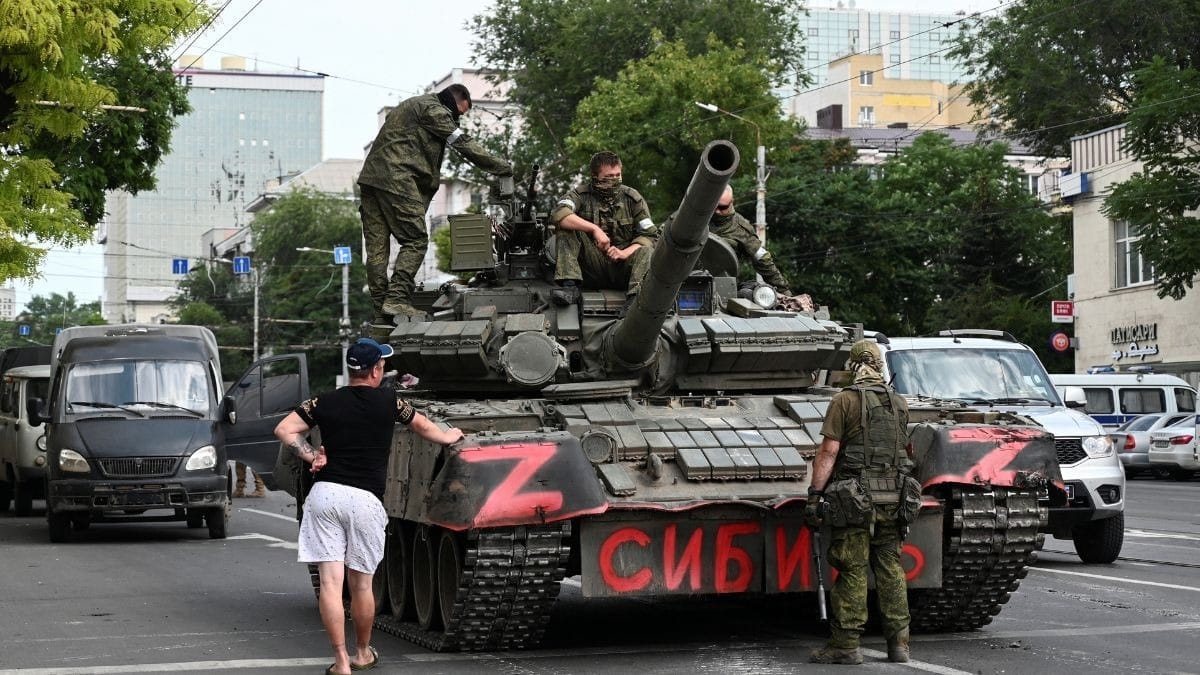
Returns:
<point x="882" y="458"/>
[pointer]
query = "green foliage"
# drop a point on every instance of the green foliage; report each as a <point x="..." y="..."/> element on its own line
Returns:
<point x="60" y="157"/>
<point x="944" y="237"/>
<point x="648" y="116"/>
<point x="554" y="51"/>
<point x="1049" y="70"/>
<point x="1160" y="200"/>
<point x="45" y="316"/>
<point x="440" y="240"/>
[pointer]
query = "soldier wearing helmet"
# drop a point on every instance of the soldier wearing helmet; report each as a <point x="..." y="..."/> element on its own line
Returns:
<point x="861" y="489"/>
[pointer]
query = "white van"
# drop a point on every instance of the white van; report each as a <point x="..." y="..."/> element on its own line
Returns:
<point x="22" y="438"/>
<point x="991" y="369"/>
<point x="1115" y="398"/>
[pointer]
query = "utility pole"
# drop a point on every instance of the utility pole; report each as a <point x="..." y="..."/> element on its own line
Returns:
<point x="760" y="174"/>
<point x="341" y="256"/>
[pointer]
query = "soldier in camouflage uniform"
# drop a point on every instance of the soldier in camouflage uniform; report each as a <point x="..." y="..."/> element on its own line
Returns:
<point x="398" y="180"/>
<point x="604" y="233"/>
<point x="735" y="229"/>
<point x="858" y="473"/>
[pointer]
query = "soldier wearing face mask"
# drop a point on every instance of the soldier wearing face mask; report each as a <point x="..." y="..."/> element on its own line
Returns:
<point x="733" y="228"/>
<point x="604" y="234"/>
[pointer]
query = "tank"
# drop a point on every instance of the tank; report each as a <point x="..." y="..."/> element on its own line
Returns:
<point x="662" y="448"/>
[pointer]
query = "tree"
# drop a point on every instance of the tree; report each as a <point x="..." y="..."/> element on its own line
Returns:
<point x="61" y="63"/>
<point x="1047" y="71"/>
<point x="301" y="292"/>
<point x="1160" y="201"/>
<point x="46" y="315"/>
<point x="554" y="51"/>
<point x="647" y="114"/>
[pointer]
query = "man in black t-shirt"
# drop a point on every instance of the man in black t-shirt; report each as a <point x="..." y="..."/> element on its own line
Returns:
<point x="344" y="522"/>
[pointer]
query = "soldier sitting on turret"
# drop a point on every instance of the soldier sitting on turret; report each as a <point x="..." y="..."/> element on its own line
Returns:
<point x="604" y="236"/>
<point x="733" y="228"/>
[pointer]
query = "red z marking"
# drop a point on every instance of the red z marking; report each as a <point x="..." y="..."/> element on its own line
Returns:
<point x="990" y="467"/>
<point x="506" y="505"/>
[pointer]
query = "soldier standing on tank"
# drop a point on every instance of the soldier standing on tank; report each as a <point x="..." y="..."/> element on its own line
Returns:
<point x="858" y="474"/>
<point x="605" y="234"/>
<point x="735" y="229"/>
<point x="398" y="180"/>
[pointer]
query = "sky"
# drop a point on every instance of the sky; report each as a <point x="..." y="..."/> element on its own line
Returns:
<point x="375" y="53"/>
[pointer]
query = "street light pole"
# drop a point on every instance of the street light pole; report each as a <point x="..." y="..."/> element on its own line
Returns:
<point x="760" y="174"/>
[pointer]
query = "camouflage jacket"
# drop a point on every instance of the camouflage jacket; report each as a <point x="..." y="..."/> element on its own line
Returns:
<point x="626" y="222"/>
<point x="740" y="234"/>
<point x="406" y="157"/>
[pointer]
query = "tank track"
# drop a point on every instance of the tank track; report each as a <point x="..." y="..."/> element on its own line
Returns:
<point x="990" y="538"/>
<point x="509" y="584"/>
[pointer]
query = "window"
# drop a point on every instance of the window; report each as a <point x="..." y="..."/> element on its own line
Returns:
<point x="1185" y="400"/>
<point x="895" y="58"/>
<point x="852" y="33"/>
<point x="1099" y="401"/>
<point x="1139" y="401"/>
<point x="934" y="58"/>
<point x="895" y="35"/>
<point x="813" y="32"/>
<point x="866" y="115"/>
<point x="1128" y="267"/>
<point x="866" y="77"/>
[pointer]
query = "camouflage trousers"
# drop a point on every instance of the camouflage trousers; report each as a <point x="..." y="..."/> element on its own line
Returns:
<point x="580" y="260"/>
<point x="386" y="216"/>
<point x="851" y="551"/>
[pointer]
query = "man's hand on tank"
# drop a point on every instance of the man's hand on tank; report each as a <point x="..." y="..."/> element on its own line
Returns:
<point x="452" y="436"/>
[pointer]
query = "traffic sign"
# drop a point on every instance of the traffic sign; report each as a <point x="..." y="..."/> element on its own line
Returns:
<point x="179" y="266"/>
<point x="241" y="264"/>
<point x="341" y="255"/>
<point x="24" y="330"/>
<point x="1062" y="311"/>
<point x="1060" y="341"/>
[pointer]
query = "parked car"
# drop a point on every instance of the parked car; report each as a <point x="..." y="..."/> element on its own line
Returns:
<point x="1175" y="449"/>
<point x="1132" y="441"/>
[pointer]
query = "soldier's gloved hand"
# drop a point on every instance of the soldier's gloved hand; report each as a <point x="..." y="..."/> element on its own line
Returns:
<point x="814" y="510"/>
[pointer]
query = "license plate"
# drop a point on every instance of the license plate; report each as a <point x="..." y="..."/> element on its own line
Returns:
<point x="139" y="499"/>
<point x="1070" y="490"/>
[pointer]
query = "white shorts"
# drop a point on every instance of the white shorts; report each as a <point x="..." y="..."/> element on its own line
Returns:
<point x="342" y="524"/>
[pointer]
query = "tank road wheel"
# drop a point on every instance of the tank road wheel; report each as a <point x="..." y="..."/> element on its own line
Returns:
<point x="424" y="567"/>
<point x="60" y="527"/>
<point x="449" y="573"/>
<point x="1099" y="541"/>
<point x="397" y="562"/>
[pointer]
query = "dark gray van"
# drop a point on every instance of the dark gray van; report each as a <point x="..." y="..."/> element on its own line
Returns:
<point x="137" y="428"/>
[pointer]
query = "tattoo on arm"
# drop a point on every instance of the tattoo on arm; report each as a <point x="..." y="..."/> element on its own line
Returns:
<point x="303" y="449"/>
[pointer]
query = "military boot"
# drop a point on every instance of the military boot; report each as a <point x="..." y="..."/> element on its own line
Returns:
<point x="898" y="647"/>
<point x="260" y="490"/>
<point x="401" y="309"/>
<point x="565" y="295"/>
<point x="845" y="657"/>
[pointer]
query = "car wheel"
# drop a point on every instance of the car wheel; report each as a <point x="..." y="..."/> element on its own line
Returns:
<point x="218" y="521"/>
<point x="1099" y="542"/>
<point x="6" y="493"/>
<point x="1177" y="474"/>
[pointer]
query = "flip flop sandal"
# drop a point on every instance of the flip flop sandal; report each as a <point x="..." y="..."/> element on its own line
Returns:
<point x="367" y="666"/>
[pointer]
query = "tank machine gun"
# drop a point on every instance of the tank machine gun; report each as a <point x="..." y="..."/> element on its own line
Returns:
<point x="659" y="452"/>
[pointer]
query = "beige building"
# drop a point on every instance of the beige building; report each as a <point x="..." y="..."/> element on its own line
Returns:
<point x="1119" y="319"/>
<point x="858" y="93"/>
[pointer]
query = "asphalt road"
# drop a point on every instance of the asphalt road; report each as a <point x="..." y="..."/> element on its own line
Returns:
<point x="158" y="597"/>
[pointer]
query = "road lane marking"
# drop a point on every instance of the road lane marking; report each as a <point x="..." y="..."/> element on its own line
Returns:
<point x="1102" y="577"/>
<point x="171" y="667"/>
<point x="290" y="519"/>
<point x="918" y="665"/>
<point x="1064" y="632"/>
<point x="275" y="542"/>
<point x="1161" y="535"/>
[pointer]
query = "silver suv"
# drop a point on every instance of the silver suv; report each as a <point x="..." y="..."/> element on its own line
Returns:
<point x="992" y="369"/>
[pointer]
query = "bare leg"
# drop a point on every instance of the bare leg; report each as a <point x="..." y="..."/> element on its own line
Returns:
<point x="333" y="612"/>
<point x="362" y="612"/>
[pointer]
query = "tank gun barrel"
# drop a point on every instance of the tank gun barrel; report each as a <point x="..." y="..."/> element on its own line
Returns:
<point x="632" y="342"/>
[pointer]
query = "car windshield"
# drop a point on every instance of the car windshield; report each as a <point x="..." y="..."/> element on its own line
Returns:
<point x="158" y="385"/>
<point x="1142" y="423"/>
<point x="975" y="375"/>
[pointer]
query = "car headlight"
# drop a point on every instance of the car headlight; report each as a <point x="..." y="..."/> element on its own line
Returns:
<point x="1097" y="446"/>
<point x="204" y="458"/>
<point x="764" y="296"/>
<point x="69" y="460"/>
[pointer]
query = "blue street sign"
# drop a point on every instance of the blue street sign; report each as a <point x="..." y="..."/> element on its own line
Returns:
<point x="241" y="264"/>
<point x="58" y="330"/>
<point x="341" y="255"/>
<point x="179" y="266"/>
<point x="23" y="329"/>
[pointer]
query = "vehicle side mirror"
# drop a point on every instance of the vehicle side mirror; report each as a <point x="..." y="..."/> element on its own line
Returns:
<point x="229" y="409"/>
<point x="33" y="412"/>
<point x="1074" y="397"/>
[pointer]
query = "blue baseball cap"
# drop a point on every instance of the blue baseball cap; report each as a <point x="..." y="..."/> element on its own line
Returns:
<point x="366" y="353"/>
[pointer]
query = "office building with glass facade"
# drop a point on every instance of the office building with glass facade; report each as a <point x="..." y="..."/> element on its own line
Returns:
<point x="246" y="128"/>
